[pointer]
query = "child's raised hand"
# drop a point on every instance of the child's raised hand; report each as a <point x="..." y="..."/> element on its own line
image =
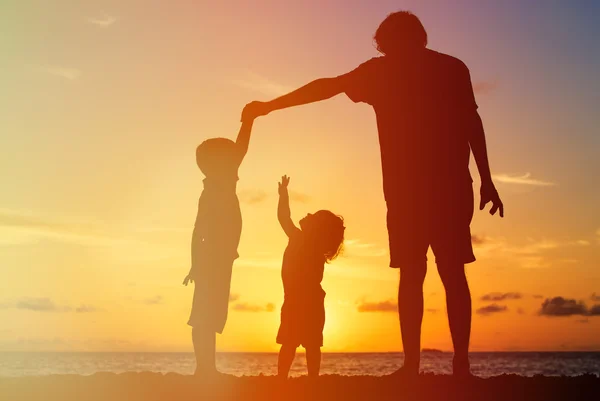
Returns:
<point x="285" y="180"/>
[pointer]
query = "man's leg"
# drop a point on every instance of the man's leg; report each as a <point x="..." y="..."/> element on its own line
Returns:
<point x="285" y="360"/>
<point x="458" y="303"/>
<point x="410" y="310"/>
<point x="313" y="361"/>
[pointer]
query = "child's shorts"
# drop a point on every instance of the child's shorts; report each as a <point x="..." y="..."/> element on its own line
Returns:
<point x="302" y="322"/>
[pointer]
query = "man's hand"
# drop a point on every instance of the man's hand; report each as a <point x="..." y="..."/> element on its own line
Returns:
<point x="489" y="194"/>
<point x="285" y="180"/>
<point x="255" y="109"/>
<point x="188" y="279"/>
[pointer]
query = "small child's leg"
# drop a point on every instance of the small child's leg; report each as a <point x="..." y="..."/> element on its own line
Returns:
<point x="205" y="349"/>
<point x="286" y="357"/>
<point x="313" y="361"/>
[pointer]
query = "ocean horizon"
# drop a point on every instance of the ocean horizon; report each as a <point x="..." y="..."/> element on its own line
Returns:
<point x="484" y="364"/>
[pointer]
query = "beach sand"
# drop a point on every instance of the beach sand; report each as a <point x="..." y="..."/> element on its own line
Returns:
<point x="156" y="386"/>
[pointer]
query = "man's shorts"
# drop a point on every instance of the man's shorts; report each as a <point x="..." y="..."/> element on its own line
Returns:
<point x="416" y="222"/>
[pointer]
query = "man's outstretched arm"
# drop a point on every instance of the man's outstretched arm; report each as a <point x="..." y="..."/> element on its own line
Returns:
<point x="315" y="91"/>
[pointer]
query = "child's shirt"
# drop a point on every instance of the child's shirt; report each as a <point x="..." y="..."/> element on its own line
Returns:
<point x="302" y="270"/>
<point x="219" y="219"/>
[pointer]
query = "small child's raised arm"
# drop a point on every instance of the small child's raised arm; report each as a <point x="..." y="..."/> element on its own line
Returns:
<point x="283" y="209"/>
<point x="243" y="139"/>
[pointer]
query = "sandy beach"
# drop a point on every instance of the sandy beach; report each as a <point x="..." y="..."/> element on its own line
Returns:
<point x="154" y="386"/>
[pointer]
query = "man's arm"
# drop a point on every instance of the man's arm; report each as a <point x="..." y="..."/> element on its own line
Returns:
<point x="284" y="214"/>
<point x="315" y="91"/>
<point x="476" y="136"/>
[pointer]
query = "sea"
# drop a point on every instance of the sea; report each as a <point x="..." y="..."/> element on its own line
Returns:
<point x="483" y="364"/>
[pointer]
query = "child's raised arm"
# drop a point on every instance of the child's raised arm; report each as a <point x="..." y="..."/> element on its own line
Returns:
<point x="243" y="138"/>
<point x="283" y="209"/>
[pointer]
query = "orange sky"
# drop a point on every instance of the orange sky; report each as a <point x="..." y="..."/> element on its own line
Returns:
<point x="107" y="104"/>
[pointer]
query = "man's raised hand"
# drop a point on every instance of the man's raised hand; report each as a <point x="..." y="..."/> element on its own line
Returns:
<point x="253" y="110"/>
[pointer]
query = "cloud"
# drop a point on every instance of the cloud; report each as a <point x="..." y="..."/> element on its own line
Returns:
<point x="21" y="227"/>
<point x="538" y="296"/>
<point x="252" y="197"/>
<point x="383" y="306"/>
<point x="561" y="307"/>
<point x="361" y="248"/>
<point x="484" y="87"/>
<point x="432" y="310"/>
<point x="477" y="239"/>
<point x="594" y="311"/>
<point x="103" y="22"/>
<point x="155" y="300"/>
<point x="44" y="304"/>
<point x="246" y="307"/>
<point x="497" y="296"/>
<point x="68" y="73"/>
<point x="233" y="297"/>
<point x="520" y="311"/>
<point x="491" y="309"/>
<point x="524" y="179"/>
<point x="533" y="254"/>
<point x="298" y="197"/>
<point x="583" y="321"/>
<point x="595" y="297"/>
<point x="86" y="309"/>
<point x="38" y="305"/>
<point x="260" y="84"/>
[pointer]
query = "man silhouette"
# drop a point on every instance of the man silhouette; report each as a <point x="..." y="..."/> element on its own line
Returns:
<point x="428" y="123"/>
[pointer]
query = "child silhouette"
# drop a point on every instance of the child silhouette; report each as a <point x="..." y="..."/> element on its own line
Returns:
<point x="318" y="241"/>
<point x="214" y="242"/>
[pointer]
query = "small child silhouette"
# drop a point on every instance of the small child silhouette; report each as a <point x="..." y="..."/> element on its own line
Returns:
<point x="318" y="241"/>
<point x="215" y="240"/>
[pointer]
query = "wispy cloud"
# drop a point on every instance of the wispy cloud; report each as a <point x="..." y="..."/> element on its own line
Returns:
<point x="358" y="247"/>
<point x="498" y="296"/>
<point x="524" y="179"/>
<point x="382" y="306"/>
<point x="233" y="297"/>
<point x="491" y="309"/>
<point x="103" y="22"/>
<point x="484" y="87"/>
<point x="68" y="73"/>
<point x="298" y="197"/>
<point x="534" y="253"/>
<point x="155" y="300"/>
<point x="86" y="309"/>
<point x="44" y="304"/>
<point x="252" y="196"/>
<point x="260" y="84"/>
<point x="246" y="307"/>
<point x="21" y="227"/>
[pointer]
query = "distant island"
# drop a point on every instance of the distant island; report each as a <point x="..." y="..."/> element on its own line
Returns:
<point x="432" y="351"/>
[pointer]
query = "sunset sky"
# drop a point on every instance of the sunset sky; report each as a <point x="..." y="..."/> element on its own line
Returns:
<point x="105" y="102"/>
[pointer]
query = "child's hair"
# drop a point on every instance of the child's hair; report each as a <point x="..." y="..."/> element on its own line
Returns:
<point x="329" y="232"/>
<point x="215" y="156"/>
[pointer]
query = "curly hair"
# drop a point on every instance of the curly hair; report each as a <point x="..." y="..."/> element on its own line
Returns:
<point x="400" y="30"/>
<point x="330" y="234"/>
